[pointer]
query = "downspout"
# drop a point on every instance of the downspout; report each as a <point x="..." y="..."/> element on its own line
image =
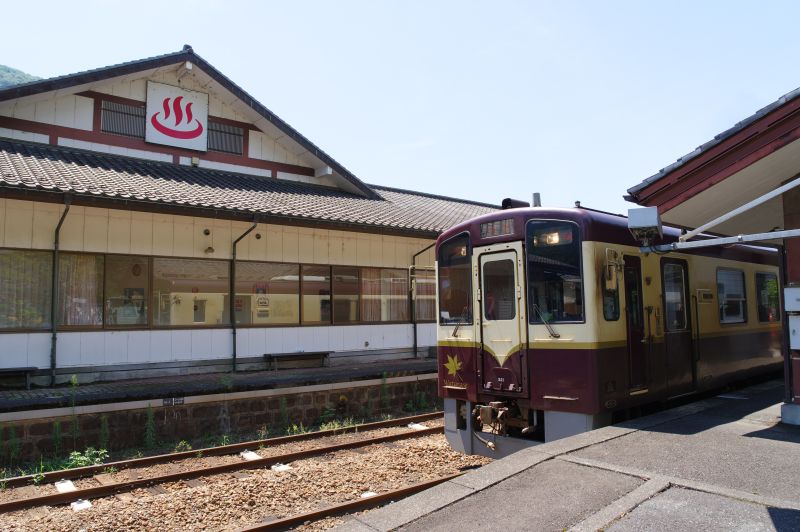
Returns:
<point x="232" y="294"/>
<point x="411" y="290"/>
<point x="54" y="293"/>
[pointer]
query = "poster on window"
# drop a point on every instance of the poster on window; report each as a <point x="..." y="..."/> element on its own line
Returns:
<point x="176" y="117"/>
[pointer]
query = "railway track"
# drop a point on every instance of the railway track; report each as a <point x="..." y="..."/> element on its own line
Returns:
<point x="81" y="472"/>
<point x="104" y="490"/>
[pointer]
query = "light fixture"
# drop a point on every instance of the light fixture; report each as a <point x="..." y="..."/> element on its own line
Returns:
<point x="206" y="232"/>
<point x="209" y="249"/>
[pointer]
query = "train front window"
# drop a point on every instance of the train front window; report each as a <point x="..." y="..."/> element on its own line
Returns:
<point x="555" y="285"/>
<point x="455" y="281"/>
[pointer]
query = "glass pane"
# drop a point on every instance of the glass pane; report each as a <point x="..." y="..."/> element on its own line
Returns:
<point x="731" y="295"/>
<point x="674" y="297"/>
<point x="611" y="305"/>
<point x="499" y="290"/>
<point x="455" y="281"/>
<point x="555" y="289"/>
<point x="384" y="295"/>
<point x="768" y="298"/>
<point x="425" y="295"/>
<point x="25" y="288"/>
<point x="345" y="294"/>
<point x="190" y="292"/>
<point x="316" y="290"/>
<point x="80" y="289"/>
<point x="127" y="289"/>
<point x="267" y="293"/>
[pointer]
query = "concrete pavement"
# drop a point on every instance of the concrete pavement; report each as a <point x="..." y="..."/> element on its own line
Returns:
<point x="724" y="463"/>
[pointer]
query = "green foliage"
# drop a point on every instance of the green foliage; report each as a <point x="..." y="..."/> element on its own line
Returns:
<point x="384" y="393"/>
<point x="150" y="429"/>
<point x="11" y="76"/>
<point x="297" y="429"/>
<point x="110" y="469"/>
<point x="284" y="411"/>
<point x="89" y="457"/>
<point x="73" y="421"/>
<point x="57" y="439"/>
<point x="182" y="447"/>
<point x="38" y="475"/>
<point x="263" y="432"/>
<point x="104" y="432"/>
<point x="328" y="414"/>
<point x="337" y="424"/>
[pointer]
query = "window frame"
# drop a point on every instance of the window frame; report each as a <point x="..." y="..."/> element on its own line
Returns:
<point x="745" y="317"/>
<point x="470" y="289"/>
<point x="533" y="318"/>
<point x="684" y="265"/>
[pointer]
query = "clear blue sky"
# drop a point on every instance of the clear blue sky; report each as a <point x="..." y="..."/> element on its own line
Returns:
<point x="479" y="100"/>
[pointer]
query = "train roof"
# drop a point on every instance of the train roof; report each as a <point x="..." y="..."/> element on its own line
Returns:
<point x="601" y="226"/>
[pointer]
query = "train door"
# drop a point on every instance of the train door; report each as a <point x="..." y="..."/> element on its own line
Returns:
<point x="503" y="364"/>
<point x="635" y="321"/>
<point x="677" y="327"/>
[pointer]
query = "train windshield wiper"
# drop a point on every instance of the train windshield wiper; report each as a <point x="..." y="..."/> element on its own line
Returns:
<point x="552" y="332"/>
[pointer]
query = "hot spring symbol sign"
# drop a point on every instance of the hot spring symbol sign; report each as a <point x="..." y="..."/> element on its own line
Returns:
<point x="176" y="117"/>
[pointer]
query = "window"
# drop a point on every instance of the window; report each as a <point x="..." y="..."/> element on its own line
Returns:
<point x="316" y="292"/>
<point x="731" y="296"/>
<point x="555" y="284"/>
<point x="499" y="292"/>
<point x="768" y="298"/>
<point x="611" y="304"/>
<point x="267" y="293"/>
<point x="384" y="295"/>
<point x="190" y="292"/>
<point x="345" y="294"/>
<point x="127" y="290"/>
<point x="455" y="281"/>
<point x="425" y="294"/>
<point x="123" y="119"/>
<point x="25" y="288"/>
<point x="675" y="310"/>
<point x="80" y="290"/>
<point x="225" y="138"/>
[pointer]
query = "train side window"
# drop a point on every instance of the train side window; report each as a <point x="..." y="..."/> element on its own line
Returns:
<point x="674" y="282"/>
<point x="768" y="298"/>
<point x="611" y="305"/>
<point x="731" y="296"/>
<point x="455" y="281"/>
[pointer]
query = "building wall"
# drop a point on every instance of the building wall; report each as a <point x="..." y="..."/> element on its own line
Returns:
<point x="31" y="225"/>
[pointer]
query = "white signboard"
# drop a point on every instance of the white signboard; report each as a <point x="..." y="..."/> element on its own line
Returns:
<point x="176" y="117"/>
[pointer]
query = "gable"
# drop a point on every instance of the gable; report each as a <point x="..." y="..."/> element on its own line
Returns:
<point x="75" y="111"/>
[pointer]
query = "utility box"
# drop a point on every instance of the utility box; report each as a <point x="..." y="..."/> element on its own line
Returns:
<point x="794" y="332"/>
<point x="791" y="298"/>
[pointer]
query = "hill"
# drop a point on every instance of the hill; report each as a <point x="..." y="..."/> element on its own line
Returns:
<point x="11" y="76"/>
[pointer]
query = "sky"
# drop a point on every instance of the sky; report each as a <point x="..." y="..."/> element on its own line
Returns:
<point x="578" y="101"/>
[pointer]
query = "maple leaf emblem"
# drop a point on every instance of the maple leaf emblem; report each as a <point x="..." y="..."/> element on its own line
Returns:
<point x="453" y="365"/>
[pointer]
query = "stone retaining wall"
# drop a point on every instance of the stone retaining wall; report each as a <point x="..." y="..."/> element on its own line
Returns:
<point x="30" y="440"/>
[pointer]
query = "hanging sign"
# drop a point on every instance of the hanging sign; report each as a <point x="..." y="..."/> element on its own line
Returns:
<point x="176" y="117"/>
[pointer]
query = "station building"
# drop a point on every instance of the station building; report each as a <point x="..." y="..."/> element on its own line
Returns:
<point x="156" y="219"/>
<point x="745" y="182"/>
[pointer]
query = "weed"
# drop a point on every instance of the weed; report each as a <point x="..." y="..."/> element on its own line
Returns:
<point x="199" y="454"/>
<point x="262" y="433"/>
<point x="89" y="457"/>
<point x="38" y="475"/>
<point x="225" y="439"/>
<point x="384" y="393"/>
<point x="110" y="469"/>
<point x="150" y="429"/>
<point x="13" y="444"/>
<point x="297" y="429"/>
<point x="104" y="432"/>
<point x="57" y="443"/>
<point x="284" y="411"/>
<point x="182" y="447"/>
<point x="73" y="420"/>
<point x="328" y="414"/>
<point x="3" y="484"/>
<point x="137" y="454"/>
<point x="337" y="424"/>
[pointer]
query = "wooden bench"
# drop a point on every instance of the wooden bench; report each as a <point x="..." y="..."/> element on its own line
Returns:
<point x="272" y="359"/>
<point x="19" y="371"/>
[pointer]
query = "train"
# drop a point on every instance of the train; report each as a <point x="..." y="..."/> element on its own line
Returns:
<point x="552" y="322"/>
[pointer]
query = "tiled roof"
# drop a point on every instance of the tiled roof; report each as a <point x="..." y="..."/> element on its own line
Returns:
<point x="39" y="167"/>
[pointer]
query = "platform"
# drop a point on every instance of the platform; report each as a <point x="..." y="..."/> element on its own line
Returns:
<point x="719" y="464"/>
<point x="205" y="384"/>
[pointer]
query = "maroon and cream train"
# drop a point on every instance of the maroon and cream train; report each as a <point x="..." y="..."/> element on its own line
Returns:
<point x="550" y="320"/>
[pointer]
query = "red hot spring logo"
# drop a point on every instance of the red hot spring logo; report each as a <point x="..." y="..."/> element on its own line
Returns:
<point x="176" y="117"/>
<point x="177" y="130"/>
